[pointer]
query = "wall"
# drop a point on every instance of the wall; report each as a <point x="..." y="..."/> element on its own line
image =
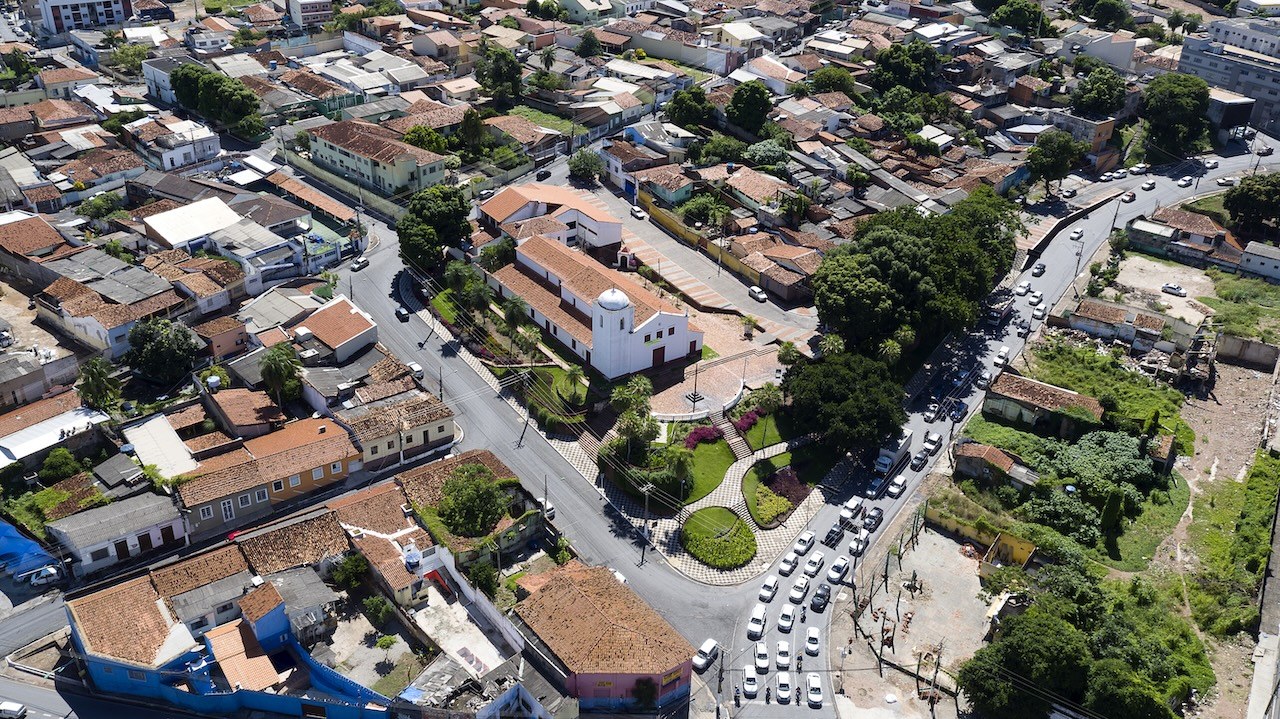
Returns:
<point x="480" y="603"/>
<point x="201" y="528"/>
<point x="672" y="224"/>
<point x="379" y="205"/>
<point x="973" y="534"/>
<point x="307" y="482"/>
<point x="1250" y="353"/>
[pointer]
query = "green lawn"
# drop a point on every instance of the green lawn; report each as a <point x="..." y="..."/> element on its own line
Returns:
<point x="1245" y="307"/>
<point x="1212" y="207"/>
<point x="699" y="76"/>
<point x="546" y="119"/>
<point x="708" y="353"/>
<point x="407" y="668"/>
<point x="710" y="461"/>
<point x="717" y="538"/>
<point x="812" y="463"/>
<point x="1133" y="550"/>
<point x="443" y="302"/>
<point x="770" y="429"/>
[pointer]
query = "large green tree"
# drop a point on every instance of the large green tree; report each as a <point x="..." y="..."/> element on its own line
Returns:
<point x="750" y="106"/>
<point x="689" y="108"/>
<point x="427" y="138"/>
<point x="98" y="388"/>
<point x="1101" y="93"/>
<point x="911" y="65"/>
<point x="216" y="97"/>
<point x="832" y="79"/>
<point x="1053" y="156"/>
<point x="1112" y="15"/>
<point x="849" y="400"/>
<point x="499" y="72"/>
<point x="471" y="503"/>
<point x="768" y="152"/>
<point x="720" y="148"/>
<point x="161" y="350"/>
<point x="1023" y="15"/>
<point x="1116" y="691"/>
<point x="436" y="218"/>
<point x="1176" y="106"/>
<point x="589" y="46"/>
<point x="279" y="367"/>
<point x="585" y="164"/>
<point x="866" y="290"/>
<point x="1255" y="201"/>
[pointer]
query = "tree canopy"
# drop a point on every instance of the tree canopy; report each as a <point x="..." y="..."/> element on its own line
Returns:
<point x="436" y="218"/>
<point x="100" y="206"/>
<point x="689" y="108"/>
<point x="1256" y="200"/>
<point x="427" y="138"/>
<point x="1053" y="156"/>
<point x="585" y="164"/>
<point x="832" y="79"/>
<point x="499" y="72"/>
<point x="849" y="400"/>
<point x="720" y="148"/>
<point x="98" y="389"/>
<point x="590" y="45"/>
<point x="750" y="106"/>
<point x="768" y="152"/>
<point x="1100" y="93"/>
<point x="471" y="502"/>
<point x="215" y="96"/>
<point x="161" y="350"/>
<point x="1176" y="106"/>
<point x="911" y="65"/>
<point x="1023" y="15"/>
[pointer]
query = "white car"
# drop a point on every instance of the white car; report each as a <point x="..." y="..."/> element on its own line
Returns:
<point x="1128" y="197"/>
<point x="1226" y="181"/>
<point x="813" y="689"/>
<point x="932" y="442"/>
<point x="359" y="263"/>
<point x="787" y="618"/>
<point x="757" y="294"/>
<point x="1186" y="181"/>
<point x="1105" y="177"/>
<point x="638" y="213"/>
<point x="784" y="654"/>
<point x="1139" y="169"/>
<point x="814" y="565"/>
<point x="12" y="710"/>
<point x="1038" y="313"/>
<point x="897" y="486"/>
<point x="1075" y="235"/>
<point x="1024" y="287"/>
<point x="762" y="657"/>
<point x="1035" y="298"/>
<point x="811" y="642"/>
<point x="1002" y="357"/>
<point x="798" y="590"/>
<point x="1117" y="174"/>
<point x="45" y="575"/>
<point x="1149" y="185"/>
<point x="750" y="685"/>
<point x="859" y="543"/>
<point x="706" y="654"/>
<point x="756" y="622"/>
<point x="769" y="588"/>
<point x="1211" y="164"/>
<point x="784" y="687"/>
<point x="850" y="510"/>
<point x="788" y="564"/>
<point x="804" y="542"/>
<point x="838" y="569"/>
<point x="1173" y="289"/>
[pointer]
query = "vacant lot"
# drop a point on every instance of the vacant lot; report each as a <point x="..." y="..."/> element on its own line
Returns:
<point x="1140" y="280"/>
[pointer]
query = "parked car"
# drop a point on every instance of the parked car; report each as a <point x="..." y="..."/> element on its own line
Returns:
<point x="359" y="263"/>
<point x="958" y="411"/>
<point x="821" y="597"/>
<point x="919" y="460"/>
<point x="45" y="575"/>
<point x="1023" y="328"/>
<point x="1211" y="164"/>
<point x="1117" y="174"/>
<point x="12" y="710"/>
<point x="804" y="542"/>
<point x="762" y="657"/>
<point x="783" y="654"/>
<point x="639" y="213"/>
<point x="402" y="314"/>
<point x="932" y="442"/>
<point x="812" y="643"/>
<point x="1105" y="177"/>
<point x="1038" y="270"/>
<point x="416" y="370"/>
<point x="757" y="294"/>
<point x="1139" y="169"/>
<point x="1038" y="313"/>
<point x="1002" y="357"/>
<point x="485" y="194"/>
<point x="814" y="565"/>
<point x="873" y="519"/>
<point x="542" y="175"/>
<point x="750" y="684"/>
<point x="1024" y="287"/>
<point x="788" y="564"/>
<point x="1077" y="233"/>
<point x="1186" y="181"/>
<point x="813" y="689"/>
<point x="859" y="543"/>
<point x="1149" y="185"/>
<point x="1035" y="298"/>
<point x="1226" y="181"/>
<point x="932" y="412"/>
<point x="1173" y="289"/>
<point x="984" y="379"/>
<point x="769" y="588"/>
<point x="1069" y="192"/>
<point x="706" y="654"/>
<point x="839" y="568"/>
<point x="897" y="486"/>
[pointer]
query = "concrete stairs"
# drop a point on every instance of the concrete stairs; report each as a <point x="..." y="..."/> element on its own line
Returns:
<point x="741" y="449"/>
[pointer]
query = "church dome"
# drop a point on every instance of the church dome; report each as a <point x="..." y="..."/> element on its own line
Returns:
<point x="613" y="299"/>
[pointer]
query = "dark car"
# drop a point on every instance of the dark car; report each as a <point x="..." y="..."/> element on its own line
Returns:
<point x="543" y="174"/>
<point x="821" y="597"/>
<point x="834" y="535"/>
<point x="402" y="314"/>
<point x="919" y="459"/>
<point x="873" y="519"/>
<point x="958" y="411"/>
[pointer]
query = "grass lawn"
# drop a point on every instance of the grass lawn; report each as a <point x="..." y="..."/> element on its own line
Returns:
<point x="443" y="302"/>
<point x="708" y="353"/>
<point x="1245" y="307"/>
<point x="407" y="668"/>
<point x="1133" y="550"/>
<point x="710" y="461"/>
<point x="546" y="119"/>
<point x="1211" y="206"/>
<point x="770" y="429"/>
<point x="699" y="76"/>
<point x="812" y="462"/>
<point x="717" y="538"/>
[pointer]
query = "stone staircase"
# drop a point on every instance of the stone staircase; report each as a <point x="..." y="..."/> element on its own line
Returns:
<point x="739" y="445"/>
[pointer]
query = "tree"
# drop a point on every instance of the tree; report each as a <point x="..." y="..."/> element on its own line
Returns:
<point x="435" y="219"/>
<point x="351" y="571"/>
<point x="1082" y="65"/>
<point x="98" y="388"/>
<point x="633" y="396"/>
<point x="689" y="108"/>
<point x="768" y="152"/>
<point x="510" y="22"/>
<point x="378" y="610"/>
<point x="679" y="459"/>
<point x="1112" y="15"/>
<point x="788" y="354"/>
<point x="705" y="208"/>
<point x="484" y="577"/>
<point x="472" y="503"/>
<point x="499" y="72"/>
<point x="427" y="138"/>
<point x="720" y="148"/>
<point x="1053" y="156"/>
<point x="585" y="164"/>
<point x="548" y="55"/>
<point x="129" y="58"/>
<point x="532" y="8"/>
<point x="589" y="46"/>
<point x="830" y="344"/>
<point x="1023" y="15"/>
<point x="1101" y="93"/>
<point x="1255" y="201"/>
<point x="246" y="36"/>
<point x="832" y="79"/>
<point x="385" y="643"/>
<point x="574" y="377"/>
<point x="850" y="401"/>
<point x="911" y="65"/>
<point x="472" y="131"/>
<point x="750" y="106"/>
<point x="515" y="312"/>
<point x="768" y="399"/>
<point x="279" y="367"/>
<point x="1176" y="19"/>
<point x="1116" y="691"/>
<point x="215" y="96"/>
<point x="866" y="291"/>
<point x="115" y="124"/>
<point x="100" y="206"/>
<point x="1175" y="106"/>
<point x="457" y="274"/>
<point x="59" y="465"/>
<point x="161" y="349"/>
<point x="1193" y="22"/>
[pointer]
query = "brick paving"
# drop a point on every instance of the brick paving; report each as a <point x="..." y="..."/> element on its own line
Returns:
<point x="720" y="381"/>
<point x="696" y="290"/>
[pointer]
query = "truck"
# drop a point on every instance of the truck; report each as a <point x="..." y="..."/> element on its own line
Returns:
<point x="892" y="452"/>
<point x="998" y="312"/>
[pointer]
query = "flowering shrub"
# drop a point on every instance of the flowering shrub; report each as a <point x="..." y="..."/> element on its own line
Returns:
<point x="748" y="420"/>
<point x="700" y="434"/>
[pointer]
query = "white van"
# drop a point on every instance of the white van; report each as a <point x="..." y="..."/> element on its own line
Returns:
<point x="12" y="710"/>
<point x="416" y="369"/>
<point x="707" y="654"/>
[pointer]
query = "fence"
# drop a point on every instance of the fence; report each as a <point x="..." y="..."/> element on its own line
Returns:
<point x="677" y="229"/>
<point x="368" y="198"/>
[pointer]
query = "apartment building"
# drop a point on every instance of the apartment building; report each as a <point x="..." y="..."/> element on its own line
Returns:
<point x="59" y="16"/>
<point x="375" y="157"/>
<point x="1242" y="56"/>
<point x="307" y="13"/>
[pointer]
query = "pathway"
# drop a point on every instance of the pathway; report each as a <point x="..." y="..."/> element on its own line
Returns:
<point x="686" y="284"/>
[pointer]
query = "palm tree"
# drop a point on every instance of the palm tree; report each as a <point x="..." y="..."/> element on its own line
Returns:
<point x="788" y="354"/>
<point x="748" y="325"/>
<point x="768" y="399"/>
<point x="680" y="459"/>
<point x="830" y="344"/>
<point x="634" y="395"/>
<point x="574" y="376"/>
<point x="890" y="351"/>
<point x="456" y="275"/>
<point x="514" y="313"/>
<point x="279" y="366"/>
<point x="98" y="388"/>
<point x="548" y="57"/>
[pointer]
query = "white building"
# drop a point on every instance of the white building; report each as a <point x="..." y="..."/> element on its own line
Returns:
<point x="1262" y="260"/>
<point x="306" y="13"/>
<point x="615" y="325"/>
<point x="156" y="74"/>
<point x="169" y="143"/>
<point x="189" y="227"/>
<point x="59" y="16"/>
<point x="586" y="222"/>
<point x="100" y="537"/>
<point x="1246" y="8"/>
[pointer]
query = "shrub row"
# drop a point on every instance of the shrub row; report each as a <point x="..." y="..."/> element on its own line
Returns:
<point x="702" y="433"/>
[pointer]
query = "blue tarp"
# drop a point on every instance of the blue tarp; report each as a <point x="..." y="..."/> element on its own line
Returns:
<point x="19" y="553"/>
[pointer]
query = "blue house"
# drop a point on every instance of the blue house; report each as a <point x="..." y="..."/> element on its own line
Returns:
<point x="666" y="183"/>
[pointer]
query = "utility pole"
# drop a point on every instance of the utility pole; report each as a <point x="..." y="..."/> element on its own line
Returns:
<point x="440" y="370"/>
<point x="644" y="526"/>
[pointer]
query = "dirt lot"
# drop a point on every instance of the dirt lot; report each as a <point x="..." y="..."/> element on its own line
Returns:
<point x="1140" y="280"/>
<point x="13" y="309"/>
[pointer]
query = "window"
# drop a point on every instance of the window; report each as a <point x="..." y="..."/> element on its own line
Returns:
<point x="98" y="555"/>
<point x="199" y="624"/>
<point x="228" y="511"/>
<point x="440" y="428"/>
<point x="137" y="676"/>
<point x="373" y="450"/>
<point x="408" y="438"/>
<point x="295" y="480"/>
<point x="671" y="331"/>
<point x="620" y="323"/>
<point x="260" y="495"/>
<point x="223" y="608"/>
<point x="317" y="474"/>
<point x="335" y="468"/>
<point x="245" y="501"/>
<point x="391" y="444"/>
<point x="277" y="486"/>
<point x="206" y="513"/>
<point x="648" y="337"/>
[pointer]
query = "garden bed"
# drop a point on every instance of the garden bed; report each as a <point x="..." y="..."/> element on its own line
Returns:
<point x="717" y="538"/>
<point x="790" y="475"/>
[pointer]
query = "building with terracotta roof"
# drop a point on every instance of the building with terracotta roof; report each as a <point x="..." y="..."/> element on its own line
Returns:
<point x="538" y="142"/>
<point x="615" y="325"/>
<point x="1051" y="409"/>
<point x="1112" y="321"/>
<point x="335" y="332"/>
<point x="27" y="241"/>
<point x="591" y="224"/>
<point x="404" y="425"/>
<point x="604" y="639"/>
<point x="375" y="157"/>
<point x="992" y="464"/>
<point x="623" y="159"/>
<point x="171" y="143"/>
<point x="224" y="337"/>
<point x="61" y="82"/>
<point x="301" y="457"/>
